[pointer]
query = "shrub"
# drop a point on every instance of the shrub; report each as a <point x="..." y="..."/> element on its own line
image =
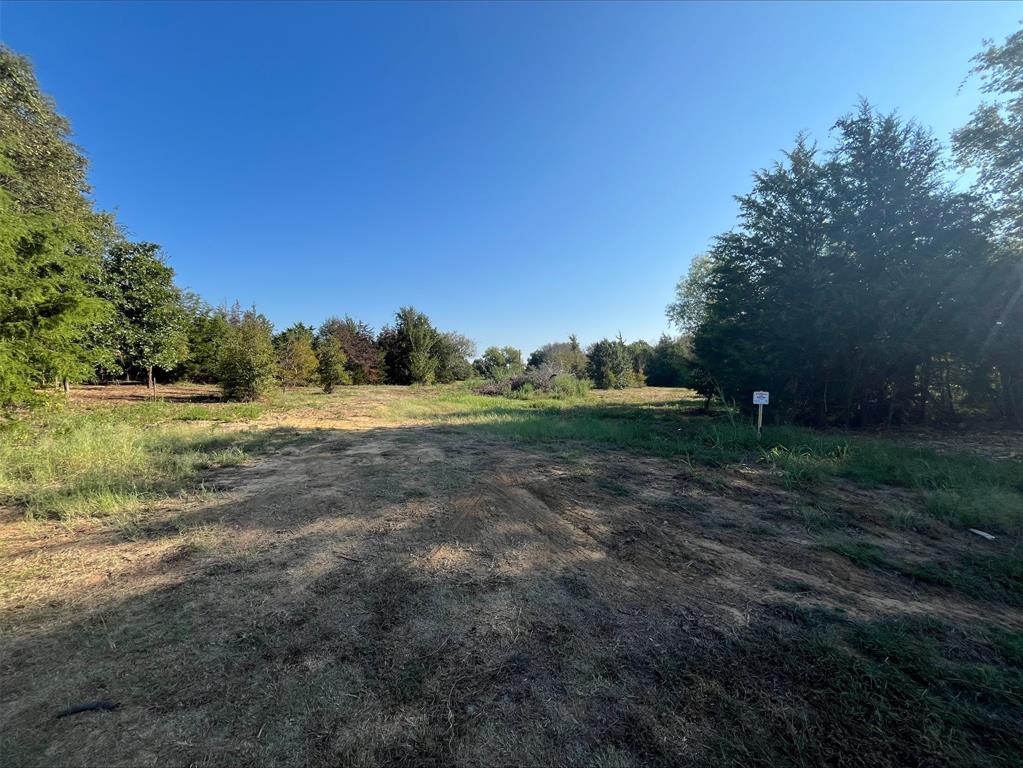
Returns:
<point x="610" y="364"/>
<point x="247" y="367"/>
<point x="296" y="360"/>
<point x="332" y="364"/>
<point x="567" y="356"/>
<point x="499" y="363"/>
<point x="364" y="359"/>
<point x="568" y="386"/>
<point x="543" y="381"/>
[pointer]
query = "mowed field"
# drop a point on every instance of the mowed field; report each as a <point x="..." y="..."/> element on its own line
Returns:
<point x="425" y="576"/>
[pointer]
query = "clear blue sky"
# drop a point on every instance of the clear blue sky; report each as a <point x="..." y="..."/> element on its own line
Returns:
<point x="517" y="171"/>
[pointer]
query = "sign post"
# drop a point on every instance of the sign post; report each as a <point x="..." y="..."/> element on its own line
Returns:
<point x="760" y="399"/>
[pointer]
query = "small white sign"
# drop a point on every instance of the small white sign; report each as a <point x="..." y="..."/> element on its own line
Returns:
<point x="761" y="398"/>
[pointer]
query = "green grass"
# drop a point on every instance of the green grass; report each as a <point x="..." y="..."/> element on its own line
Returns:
<point x="964" y="490"/>
<point x="71" y="462"/>
<point x="990" y="576"/>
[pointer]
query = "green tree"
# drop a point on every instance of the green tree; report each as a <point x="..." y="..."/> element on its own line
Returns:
<point x="641" y="353"/>
<point x="206" y="330"/>
<point x="452" y="352"/>
<point x="50" y="242"/>
<point x="296" y="361"/>
<point x="849" y="288"/>
<point x="992" y="143"/>
<point x="563" y="356"/>
<point x="689" y="309"/>
<point x="669" y="363"/>
<point x="149" y="325"/>
<point x="364" y="356"/>
<point x="408" y="348"/>
<point x="499" y="363"/>
<point x="332" y="364"/>
<point x="610" y="364"/>
<point x="248" y="365"/>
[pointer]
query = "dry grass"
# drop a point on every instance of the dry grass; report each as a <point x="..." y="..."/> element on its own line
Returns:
<point x="422" y="580"/>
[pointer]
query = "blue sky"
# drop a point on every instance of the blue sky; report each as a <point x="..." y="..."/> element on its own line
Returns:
<point x="517" y="171"/>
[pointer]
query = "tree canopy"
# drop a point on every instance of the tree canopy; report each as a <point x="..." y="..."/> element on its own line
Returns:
<point x="854" y="287"/>
<point x="50" y="241"/>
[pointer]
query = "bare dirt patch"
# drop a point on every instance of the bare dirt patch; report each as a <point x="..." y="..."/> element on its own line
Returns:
<point x="95" y="394"/>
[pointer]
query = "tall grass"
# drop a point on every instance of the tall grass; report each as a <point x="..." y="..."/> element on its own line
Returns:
<point x="66" y="462"/>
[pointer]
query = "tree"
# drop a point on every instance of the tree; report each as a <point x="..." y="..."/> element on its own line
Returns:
<point x="849" y="288"/>
<point x="408" y="348"/>
<point x="50" y="242"/>
<point x="422" y="365"/>
<point x="296" y="361"/>
<point x="206" y="330"/>
<point x="992" y="143"/>
<point x="499" y="363"/>
<point x="641" y="353"/>
<point x="564" y="356"/>
<point x="365" y="360"/>
<point x="669" y="363"/>
<point x="247" y="368"/>
<point x="610" y="364"/>
<point x="452" y="352"/>
<point x="332" y="364"/>
<point x="148" y="328"/>
<point x="690" y="306"/>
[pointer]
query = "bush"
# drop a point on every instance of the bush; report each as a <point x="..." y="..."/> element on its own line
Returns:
<point x="296" y="360"/>
<point x="364" y="359"/>
<point x="610" y="364"/>
<point x="332" y="361"/>
<point x="247" y="366"/>
<point x="568" y="386"/>
<point x="543" y="381"/>
<point x="567" y="356"/>
<point x="669" y="364"/>
<point x="499" y="363"/>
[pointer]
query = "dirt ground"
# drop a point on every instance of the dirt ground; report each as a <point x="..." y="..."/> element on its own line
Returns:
<point x="421" y="595"/>
<point x="107" y="394"/>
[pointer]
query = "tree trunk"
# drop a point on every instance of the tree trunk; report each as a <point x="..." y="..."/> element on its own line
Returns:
<point x="67" y="387"/>
<point x="151" y="382"/>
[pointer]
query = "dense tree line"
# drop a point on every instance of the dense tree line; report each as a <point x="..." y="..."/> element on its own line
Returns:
<point x="862" y="286"/>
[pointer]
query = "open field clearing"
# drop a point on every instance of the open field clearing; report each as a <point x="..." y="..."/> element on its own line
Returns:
<point x="425" y="576"/>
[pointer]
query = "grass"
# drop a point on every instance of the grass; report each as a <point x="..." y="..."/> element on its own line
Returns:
<point x="964" y="490"/>
<point x="447" y="578"/>
<point x="988" y="576"/>
<point x="67" y="463"/>
<point x="815" y="688"/>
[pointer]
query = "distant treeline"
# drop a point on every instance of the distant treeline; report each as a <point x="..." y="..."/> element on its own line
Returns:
<point x="80" y="302"/>
<point x="862" y="287"/>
